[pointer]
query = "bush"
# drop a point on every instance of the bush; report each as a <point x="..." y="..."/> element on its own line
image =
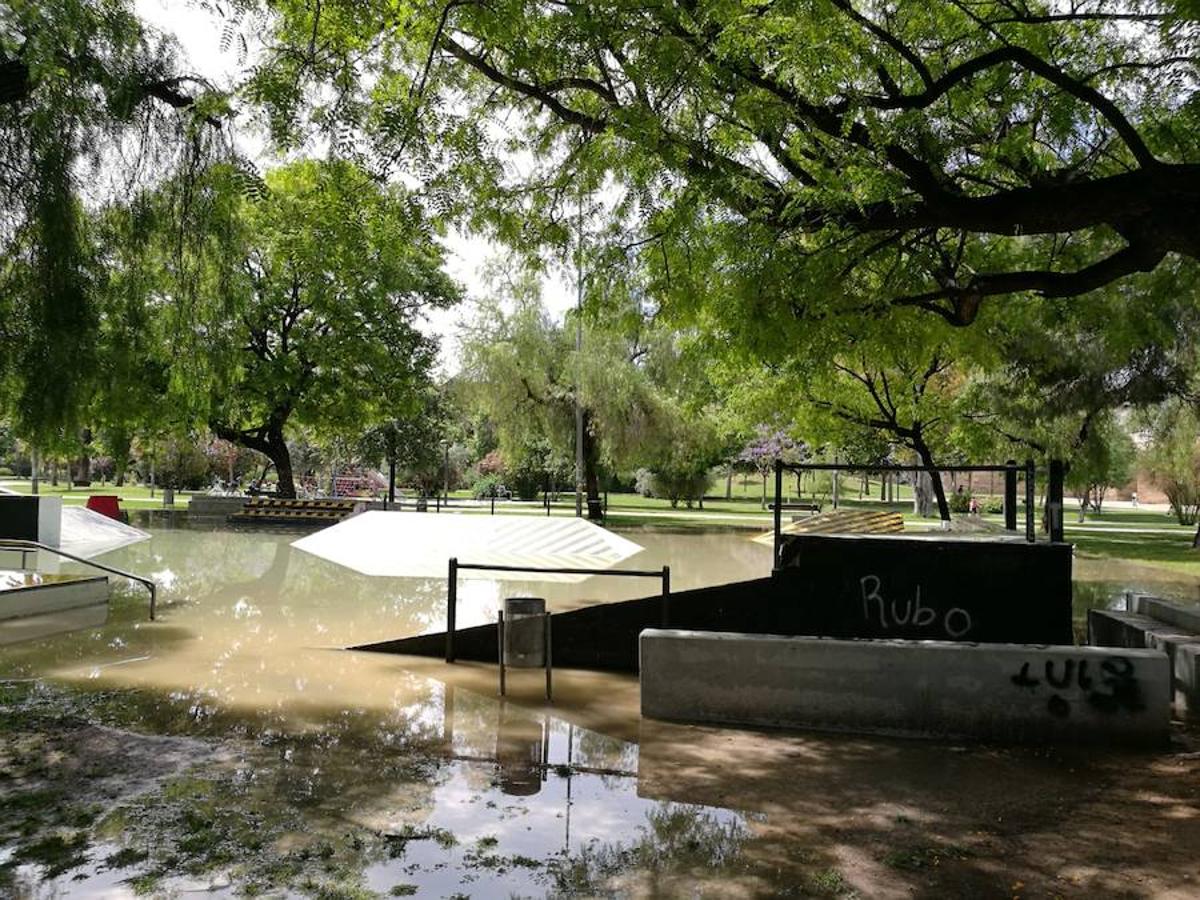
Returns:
<point x="681" y="484"/>
<point x="5" y="471"/>
<point x="959" y="502"/>
<point x="484" y="487"/>
<point x="491" y="464"/>
<point x="643" y="482"/>
<point x="994" y="506"/>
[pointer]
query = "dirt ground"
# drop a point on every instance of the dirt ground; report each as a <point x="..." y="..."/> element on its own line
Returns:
<point x="824" y="814"/>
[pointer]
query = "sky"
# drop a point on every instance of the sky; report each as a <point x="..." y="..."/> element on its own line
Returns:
<point x="199" y="33"/>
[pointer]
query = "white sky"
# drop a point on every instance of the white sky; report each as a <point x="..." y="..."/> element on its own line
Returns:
<point x="199" y="33"/>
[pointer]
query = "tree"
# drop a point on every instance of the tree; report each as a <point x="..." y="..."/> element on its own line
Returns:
<point x="410" y="443"/>
<point x="835" y="156"/>
<point x="1173" y="458"/>
<point x="1105" y="460"/>
<point x="317" y="325"/>
<point x="87" y="93"/>
<point x="769" y="445"/>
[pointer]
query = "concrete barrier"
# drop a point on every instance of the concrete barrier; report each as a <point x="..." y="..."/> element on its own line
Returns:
<point x="1011" y="692"/>
<point x="214" y="506"/>
<point x="1158" y="625"/>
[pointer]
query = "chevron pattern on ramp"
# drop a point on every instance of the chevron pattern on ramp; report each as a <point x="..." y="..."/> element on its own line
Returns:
<point x="411" y="544"/>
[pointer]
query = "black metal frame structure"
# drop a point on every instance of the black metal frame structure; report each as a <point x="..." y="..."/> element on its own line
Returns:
<point x="455" y="567"/>
<point x="1011" y="470"/>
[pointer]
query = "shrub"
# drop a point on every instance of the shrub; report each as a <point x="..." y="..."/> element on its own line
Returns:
<point x="484" y="487"/>
<point x="491" y="464"/>
<point x="959" y="502"/>
<point x="5" y="471"/>
<point x="680" y="484"/>
<point x="643" y="482"/>
<point x="994" y="506"/>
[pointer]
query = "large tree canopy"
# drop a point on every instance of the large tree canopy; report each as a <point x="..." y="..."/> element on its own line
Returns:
<point x="93" y="105"/>
<point x="851" y="153"/>
<point x="317" y="324"/>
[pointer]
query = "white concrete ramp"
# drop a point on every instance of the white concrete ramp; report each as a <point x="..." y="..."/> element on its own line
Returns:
<point x="87" y="533"/>
<point x="411" y="544"/>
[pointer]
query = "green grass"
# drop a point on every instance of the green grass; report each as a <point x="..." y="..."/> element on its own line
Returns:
<point x="1172" y="549"/>
<point x="133" y="496"/>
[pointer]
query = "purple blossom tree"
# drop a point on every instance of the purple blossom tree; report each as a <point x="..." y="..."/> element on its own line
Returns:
<point x="769" y="444"/>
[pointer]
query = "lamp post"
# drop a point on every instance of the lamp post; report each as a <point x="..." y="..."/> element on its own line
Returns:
<point x="446" y="470"/>
<point x="579" y="486"/>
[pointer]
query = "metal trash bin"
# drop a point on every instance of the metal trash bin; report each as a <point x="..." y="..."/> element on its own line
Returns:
<point x="525" y="632"/>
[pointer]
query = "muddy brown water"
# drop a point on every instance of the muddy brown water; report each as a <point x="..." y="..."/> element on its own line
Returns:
<point x="367" y="774"/>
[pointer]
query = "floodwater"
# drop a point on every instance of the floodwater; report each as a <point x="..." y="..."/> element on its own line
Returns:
<point x="303" y="768"/>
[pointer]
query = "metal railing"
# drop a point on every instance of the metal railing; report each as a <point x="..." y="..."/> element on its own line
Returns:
<point x="26" y="547"/>
<point x="1011" y="469"/>
<point x="455" y="567"/>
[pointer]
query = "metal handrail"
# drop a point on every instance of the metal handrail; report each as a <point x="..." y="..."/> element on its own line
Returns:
<point x="452" y="587"/>
<point x="26" y="547"/>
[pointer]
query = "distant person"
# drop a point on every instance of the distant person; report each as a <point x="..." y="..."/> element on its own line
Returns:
<point x="1133" y="500"/>
<point x="973" y="507"/>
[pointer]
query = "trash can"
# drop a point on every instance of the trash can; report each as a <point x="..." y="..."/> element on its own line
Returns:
<point x="525" y="632"/>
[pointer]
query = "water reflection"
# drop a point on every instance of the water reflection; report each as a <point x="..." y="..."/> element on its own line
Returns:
<point x="333" y="773"/>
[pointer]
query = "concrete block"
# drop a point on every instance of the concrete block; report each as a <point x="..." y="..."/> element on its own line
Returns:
<point x="29" y="594"/>
<point x="1181" y="617"/>
<point x="1115" y="628"/>
<point x="1158" y="626"/>
<point x="1010" y="692"/>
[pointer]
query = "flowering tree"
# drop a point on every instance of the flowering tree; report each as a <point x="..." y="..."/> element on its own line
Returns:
<point x="769" y="444"/>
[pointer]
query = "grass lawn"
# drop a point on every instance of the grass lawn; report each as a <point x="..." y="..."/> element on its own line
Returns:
<point x="132" y="496"/>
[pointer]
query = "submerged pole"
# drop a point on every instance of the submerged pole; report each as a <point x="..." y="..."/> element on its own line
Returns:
<point x="451" y="607"/>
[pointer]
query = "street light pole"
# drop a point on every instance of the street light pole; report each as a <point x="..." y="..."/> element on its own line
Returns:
<point x="446" y="470"/>
<point x="579" y="485"/>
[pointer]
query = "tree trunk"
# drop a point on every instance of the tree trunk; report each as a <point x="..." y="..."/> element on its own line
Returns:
<point x="763" y="503"/>
<point x="591" y="476"/>
<point x="883" y="484"/>
<point x="271" y="444"/>
<point x="939" y="490"/>
<point x="729" y="483"/>
<point x="54" y="472"/>
<point x="34" y="474"/>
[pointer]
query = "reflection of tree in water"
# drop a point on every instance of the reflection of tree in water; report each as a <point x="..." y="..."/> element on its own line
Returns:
<point x="274" y="813"/>
<point x="677" y="839"/>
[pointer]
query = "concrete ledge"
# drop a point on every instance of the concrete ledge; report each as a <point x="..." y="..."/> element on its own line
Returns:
<point x="1181" y="617"/>
<point x="54" y="595"/>
<point x="1010" y="692"/>
<point x="1157" y="626"/>
<point x="214" y="506"/>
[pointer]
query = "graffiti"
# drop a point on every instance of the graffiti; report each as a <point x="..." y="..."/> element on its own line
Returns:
<point x="955" y="622"/>
<point x="1114" y="688"/>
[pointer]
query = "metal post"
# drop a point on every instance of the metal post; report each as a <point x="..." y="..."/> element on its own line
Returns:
<point x="549" y="665"/>
<point x="666" y="597"/>
<point x="579" y="486"/>
<point x="1010" y="495"/>
<point x="778" y="511"/>
<point x="500" y="648"/>
<point x="1030" y="532"/>
<point x="1054" y="499"/>
<point x="153" y="600"/>
<point x="446" y="470"/>
<point x="437" y="504"/>
<point x="493" y="502"/>
<point x="451" y="607"/>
